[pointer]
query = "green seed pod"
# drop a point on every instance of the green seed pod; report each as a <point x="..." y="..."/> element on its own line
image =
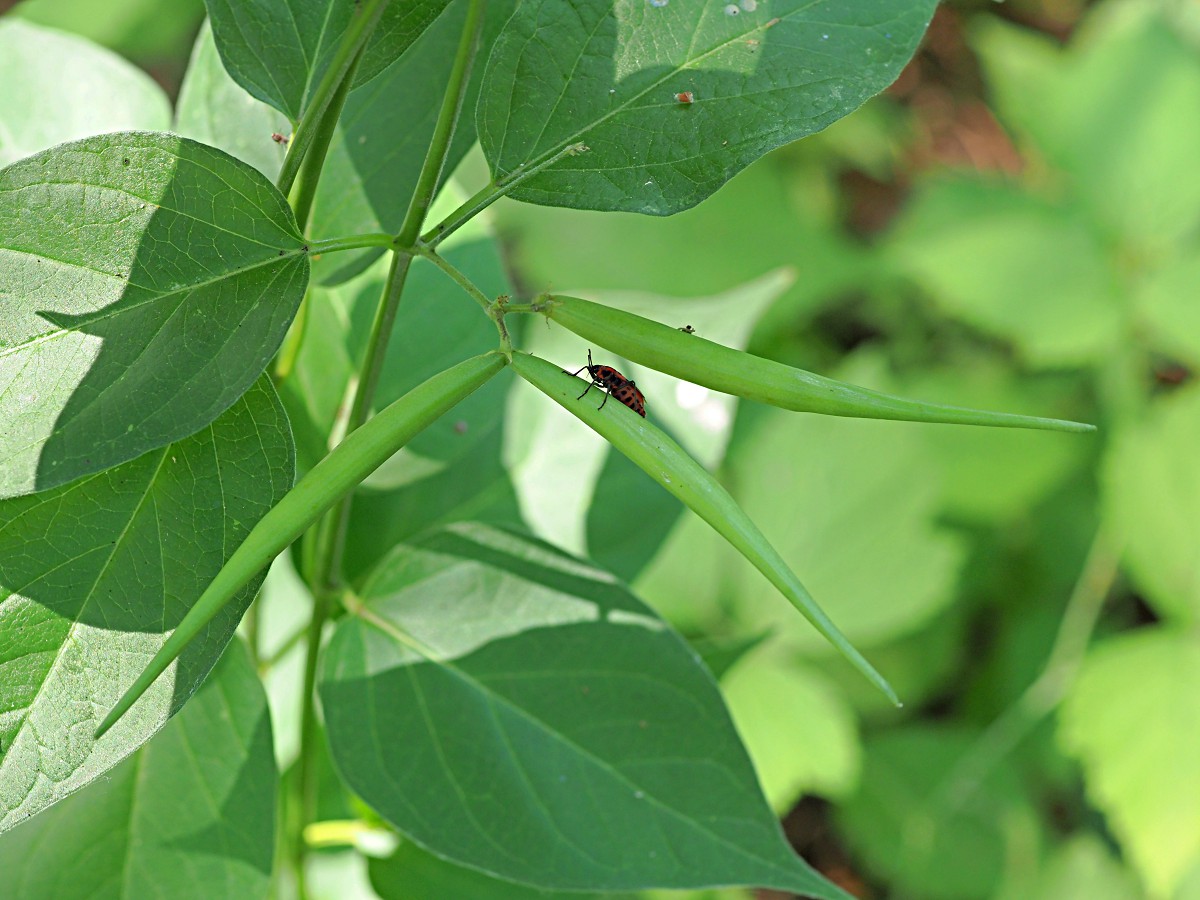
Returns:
<point x="694" y="359"/>
<point x="667" y="463"/>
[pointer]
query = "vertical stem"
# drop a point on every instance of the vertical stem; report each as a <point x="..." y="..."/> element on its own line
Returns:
<point x="305" y="188"/>
<point x="339" y="70"/>
<point x="330" y="534"/>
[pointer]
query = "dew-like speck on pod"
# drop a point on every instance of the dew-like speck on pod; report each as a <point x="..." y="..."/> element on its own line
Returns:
<point x="749" y="5"/>
<point x="732" y="9"/>
<point x="824" y="37"/>
<point x="659" y="3"/>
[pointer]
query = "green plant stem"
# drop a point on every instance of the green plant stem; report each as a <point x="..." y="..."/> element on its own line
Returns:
<point x="331" y="531"/>
<point x="304" y="191"/>
<point x="340" y="69"/>
<point x="489" y="194"/>
<point x="495" y="309"/>
<point x="1043" y="696"/>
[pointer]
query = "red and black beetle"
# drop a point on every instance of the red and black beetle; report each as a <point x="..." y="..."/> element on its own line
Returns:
<point x="614" y="384"/>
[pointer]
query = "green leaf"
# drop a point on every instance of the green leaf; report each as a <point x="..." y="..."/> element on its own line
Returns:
<point x="607" y="75"/>
<point x="279" y="49"/>
<point x="56" y="88"/>
<point x="721" y="368"/>
<point x="670" y="467"/>
<point x="383" y="135"/>
<point x="146" y="281"/>
<point x="924" y="841"/>
<point x="517" y="711"/>
<point x="720" y="654"/>
<point x="363" y="451"/>
<point x="993" y="256"/>
<point x="1165" y="303"/>
<point x="1153" y="499"/>
<point x="95" y="574"/>
<point x="767" y="217"/>
<point x="134" y="28"/>
<point x="799" y="731"/>
<point x="191" y="814"/>
<point x="1137" y="744"/>
<point x="415" y="874"/>
<point x="1130" y="66"/>
<point x="214" y="110"/>
<point x="1083" y="868"/>
<point x="991" y="476"/>
<point x="855" y="509"/>
<point x="398" y="29"/>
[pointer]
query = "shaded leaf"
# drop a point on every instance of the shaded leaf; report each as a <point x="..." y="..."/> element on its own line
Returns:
<point x="927" y="842"/>
<point x="93" y="577"/>
<point x="415" y="874"/>
<point x="215" y="110"/>
<point x="88" y="89"/>
<point x="191" y="814"/>
<point x="800" y="732"/>
<point x="607" y="75"/>
<point x="146" y="281"/>
<point x="519" y="712"/>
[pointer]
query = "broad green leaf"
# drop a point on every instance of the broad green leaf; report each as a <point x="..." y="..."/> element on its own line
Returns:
<point x="1129" y="66"/>
<point x="145" y="282"/>
<point x="608" y="75"/>
<point x="855" y="509"/>
<point x="1131" y="718"/>
<point x="95" y="574"/>
<point x="214" y="110"/>
<point x="382" y="137"/>
<point x="1153" y="499"/>
<point x="1165" y="302"/>
<point x="399" y="28"/>
<point x="799" y="731"/>
<point x="279" y="49"/>
<point x="923" y="840"/>
<point x="516" y="711"/>
<point x="1083" y="868"/>
<point x="56" y="88"/>
<point x="1013" y="265"/>
<point x="628" y="517"/>
<point x="415" y="874"/>
<point x="135" y="28"/>
<point x="994" y="475"/>
<point x="189" y="815"/>
<point x="767" y="217"/>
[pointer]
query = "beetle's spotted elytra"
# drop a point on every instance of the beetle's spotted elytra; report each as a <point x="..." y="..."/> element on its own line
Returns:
<point x="614" y="384"/>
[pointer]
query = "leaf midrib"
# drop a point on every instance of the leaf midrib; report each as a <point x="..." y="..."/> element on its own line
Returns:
<point x="391" y="630"/>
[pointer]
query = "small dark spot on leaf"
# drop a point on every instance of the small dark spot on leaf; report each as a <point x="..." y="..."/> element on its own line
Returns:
<point x="125" y="161"/>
